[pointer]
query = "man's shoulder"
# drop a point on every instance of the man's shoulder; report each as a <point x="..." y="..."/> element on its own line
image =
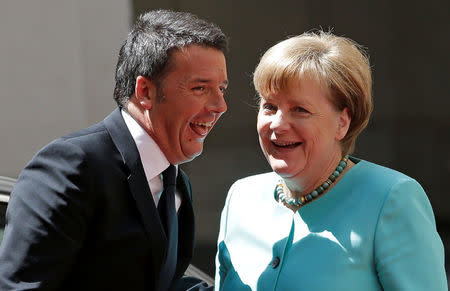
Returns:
<point x="91" y="141"/>
<point x="96" y="131"/>
<point x="92" y="131"/>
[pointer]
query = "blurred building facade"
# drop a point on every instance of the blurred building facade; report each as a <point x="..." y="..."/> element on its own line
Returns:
<point x="57" y="62"/>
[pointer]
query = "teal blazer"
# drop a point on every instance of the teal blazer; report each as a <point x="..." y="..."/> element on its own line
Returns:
<point x="374" y="230"/>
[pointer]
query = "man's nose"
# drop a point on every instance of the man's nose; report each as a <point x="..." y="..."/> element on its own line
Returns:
<point x="217" y="102"/>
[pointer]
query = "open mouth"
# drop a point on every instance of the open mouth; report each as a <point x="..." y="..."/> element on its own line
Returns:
<point x="201" y="128"/>
<point x="286" y="145"/>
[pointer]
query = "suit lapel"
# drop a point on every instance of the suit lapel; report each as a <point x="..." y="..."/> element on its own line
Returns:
<point x="139" y="187"/>
<point x="186" y="224"/>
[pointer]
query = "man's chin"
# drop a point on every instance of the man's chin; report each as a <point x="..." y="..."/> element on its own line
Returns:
<point x="190" y="156"/>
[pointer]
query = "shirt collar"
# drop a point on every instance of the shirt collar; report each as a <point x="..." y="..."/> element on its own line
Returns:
<point x="153" y="159"/>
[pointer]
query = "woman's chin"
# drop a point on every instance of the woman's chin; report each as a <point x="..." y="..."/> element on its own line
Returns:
<point x="282" y="171"/>
<point x="285" y="170"/>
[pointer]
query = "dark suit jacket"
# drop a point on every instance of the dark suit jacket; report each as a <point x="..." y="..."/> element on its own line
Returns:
<point x="81" y="217"/>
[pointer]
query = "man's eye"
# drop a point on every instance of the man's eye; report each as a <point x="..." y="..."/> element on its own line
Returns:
<point x="223" y="89"/>
<point x="199" y="88"/>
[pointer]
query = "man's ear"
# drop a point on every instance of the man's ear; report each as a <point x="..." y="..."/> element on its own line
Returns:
<point x="145" y="92"/>
<point x="343" y="124"/>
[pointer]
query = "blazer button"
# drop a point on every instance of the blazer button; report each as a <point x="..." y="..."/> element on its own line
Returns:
<point x="275" y="262"/>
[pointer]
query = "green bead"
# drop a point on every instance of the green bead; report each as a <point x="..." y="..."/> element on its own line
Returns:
<point x="281" y="196"/>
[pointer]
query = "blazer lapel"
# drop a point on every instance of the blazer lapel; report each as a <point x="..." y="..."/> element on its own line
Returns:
<point x="186" y="224"/>
<point x="139" y="188"/>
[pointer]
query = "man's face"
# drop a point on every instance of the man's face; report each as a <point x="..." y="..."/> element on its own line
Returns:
<point x="192" y="100"/>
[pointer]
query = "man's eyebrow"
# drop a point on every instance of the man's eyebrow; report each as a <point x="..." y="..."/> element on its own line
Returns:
<point x="200" y="80"/>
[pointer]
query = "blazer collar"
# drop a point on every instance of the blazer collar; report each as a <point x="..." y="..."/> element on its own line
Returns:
<point x="140" y="190"/>
<point x="139" y="187"/>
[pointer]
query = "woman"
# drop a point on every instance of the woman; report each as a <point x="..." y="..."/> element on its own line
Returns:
<point x="323" y="220"/>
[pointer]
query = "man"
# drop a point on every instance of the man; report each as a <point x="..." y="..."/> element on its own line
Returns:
<point x="85" y="212"/>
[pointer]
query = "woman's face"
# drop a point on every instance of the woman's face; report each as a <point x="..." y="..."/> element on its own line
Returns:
<point x="300" y="131"/>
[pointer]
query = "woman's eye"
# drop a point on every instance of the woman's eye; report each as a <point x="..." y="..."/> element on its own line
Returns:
<point x="269" y="107"/>
<point x="300" y="109"/>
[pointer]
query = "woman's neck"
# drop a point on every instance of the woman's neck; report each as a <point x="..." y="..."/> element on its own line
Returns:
<point x="290" y="194"/>
<point x="302" y="185"/>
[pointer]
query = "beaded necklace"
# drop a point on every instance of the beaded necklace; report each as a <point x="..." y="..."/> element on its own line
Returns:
<point x="304" y="199"/>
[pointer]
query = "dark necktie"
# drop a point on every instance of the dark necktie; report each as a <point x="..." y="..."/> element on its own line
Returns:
<point x="169" y="219"/>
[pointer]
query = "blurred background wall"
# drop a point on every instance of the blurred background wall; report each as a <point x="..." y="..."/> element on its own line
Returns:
<point x="57" y="60"/>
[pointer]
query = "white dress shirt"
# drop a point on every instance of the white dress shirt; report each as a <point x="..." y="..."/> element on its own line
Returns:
<point x="153" y="160"/>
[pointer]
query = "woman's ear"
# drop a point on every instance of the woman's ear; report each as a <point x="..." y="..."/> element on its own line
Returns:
<point x="343" y="124"/>
<point x="145" y="92"/>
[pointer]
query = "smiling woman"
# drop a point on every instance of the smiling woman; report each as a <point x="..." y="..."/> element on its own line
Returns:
<point x="296" y="126"/>
<point x="323" y="220"/>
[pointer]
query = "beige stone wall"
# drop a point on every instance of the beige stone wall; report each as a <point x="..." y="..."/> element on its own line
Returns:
<point x="57" y="60"/>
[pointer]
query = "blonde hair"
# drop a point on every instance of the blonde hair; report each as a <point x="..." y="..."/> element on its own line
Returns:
<point x="338" y="64"/>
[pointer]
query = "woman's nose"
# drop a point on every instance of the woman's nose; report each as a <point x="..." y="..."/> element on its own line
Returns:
<point x="279" y="121"/>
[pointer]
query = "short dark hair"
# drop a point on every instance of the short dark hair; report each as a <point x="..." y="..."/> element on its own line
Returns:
<point x="148" y="47"/>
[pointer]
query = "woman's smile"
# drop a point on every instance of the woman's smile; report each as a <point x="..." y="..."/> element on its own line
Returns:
<point x="286" y="145"/>
<point x="299" y="130"/>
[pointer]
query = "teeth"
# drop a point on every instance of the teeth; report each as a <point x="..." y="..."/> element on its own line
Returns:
<point x="284" y="143"/>
<point x="207" y="124"/>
